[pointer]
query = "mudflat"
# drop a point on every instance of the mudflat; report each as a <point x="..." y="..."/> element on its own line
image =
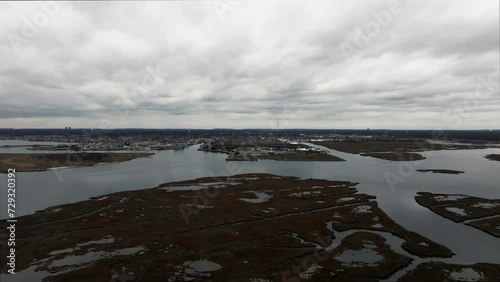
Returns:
<point x="443" y="171"/>
<point x="237" y="228"/>
<point x="493" y="157"/>
<point x="481" y="213"/>
<point x="453" y="272"/>
<point x="40" y="162"/>
<point x="392" y="150"/>
<point x="288" y="156"/>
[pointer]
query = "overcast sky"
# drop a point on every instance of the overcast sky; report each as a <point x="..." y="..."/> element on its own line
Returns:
<point x="251" y="64"/>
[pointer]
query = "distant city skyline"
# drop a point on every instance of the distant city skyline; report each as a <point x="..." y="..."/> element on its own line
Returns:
<point x="250" y="64"/>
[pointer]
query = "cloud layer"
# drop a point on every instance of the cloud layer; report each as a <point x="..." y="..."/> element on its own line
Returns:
<point x="251" y="64"/>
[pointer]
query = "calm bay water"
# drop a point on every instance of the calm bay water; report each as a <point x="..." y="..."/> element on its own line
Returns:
<point x="39" y="190"/>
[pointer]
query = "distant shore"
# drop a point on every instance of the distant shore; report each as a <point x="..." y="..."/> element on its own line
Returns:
<point x="392" y="150"/>
<point x="444" y="171"/>
<point x="493" y="157"/>
<point x="276" y="152"/>
<point x="43" y="162"/>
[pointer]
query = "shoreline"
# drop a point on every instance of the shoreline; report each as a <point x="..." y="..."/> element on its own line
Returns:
<point x="23" y="162"/>
<point x="393" y="150"/>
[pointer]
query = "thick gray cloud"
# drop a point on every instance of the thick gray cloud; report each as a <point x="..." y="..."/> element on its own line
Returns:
<point x="245" y="64"/>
